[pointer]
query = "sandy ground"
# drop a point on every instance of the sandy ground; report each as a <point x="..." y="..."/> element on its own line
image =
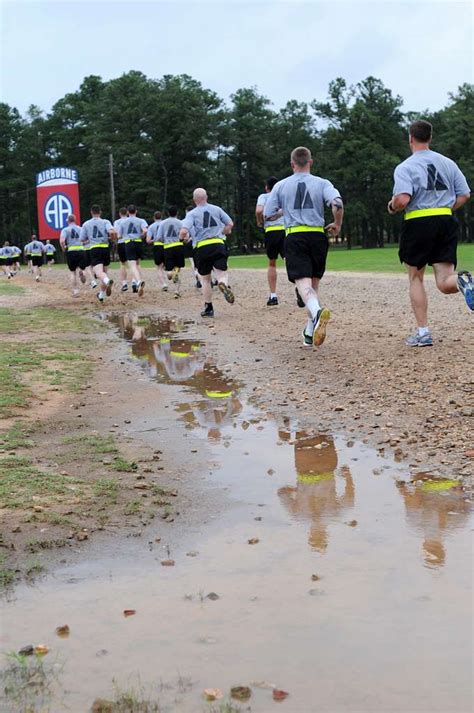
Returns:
<point x="363" y="381"/>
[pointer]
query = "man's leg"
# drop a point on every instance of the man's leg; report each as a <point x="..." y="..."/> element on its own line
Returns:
<point x="446" y="278"/>
<point x="418" y="296"/>
<point x="272" y="276"/>
<point x="162" y="276"/>
<point x="134" y="271"/>
<point x="222" y="277"/>
<point x="100" y="272"/>
<point x="208" y="310"/>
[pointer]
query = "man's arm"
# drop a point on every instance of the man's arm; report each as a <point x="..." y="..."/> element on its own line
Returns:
<point x="337" y="207"/>
<point x="62" y="240"/>
<point x="398" y="203"/>
<point x="259" y="215"/>
<point x="460" y="201"/>
<point x="227" y="229"/>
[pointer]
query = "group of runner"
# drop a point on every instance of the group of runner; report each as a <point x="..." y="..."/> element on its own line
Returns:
<point x="35" y="253"/>
<point x="428" y="188"/>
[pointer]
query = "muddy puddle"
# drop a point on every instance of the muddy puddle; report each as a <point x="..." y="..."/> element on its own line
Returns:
<point x="332" y="575"/>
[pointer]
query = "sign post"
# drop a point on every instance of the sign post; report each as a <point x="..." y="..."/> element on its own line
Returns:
<point x="57" y="194"/>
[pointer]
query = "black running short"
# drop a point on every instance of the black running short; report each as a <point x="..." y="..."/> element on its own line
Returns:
<point x="76" y="259"/>
<point x="122" y="253"/>
<point x="158" y="254"/>
<point x="275" y="243"/>
<point x="99" y="256"/>
<point x="36" y="260"/>
<point x="9" y="261"/>
<point x="305" y="254"/>
<point x="174" y="257"/>
<point x="87" y="258"/>
<point x="188" y="250"/>
<point x="428" y="240"/>
<point x="49" y="258"/>
<point x="134" y="250"/>
<point x="208" y="257"/>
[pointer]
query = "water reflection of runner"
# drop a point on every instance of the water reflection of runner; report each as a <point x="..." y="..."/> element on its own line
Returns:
<point x="434" y="509"/>
<point x="315" y="496"/>
<point x="181" y="360"/>
<point x="218" y="407"/>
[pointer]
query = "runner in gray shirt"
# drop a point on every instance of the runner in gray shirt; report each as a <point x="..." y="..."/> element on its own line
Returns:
<point x="274" y="239"/>
<point x="301" y="199"/>
<point x="428" y="187"/>
<point x="208" y="224"/>
<point x="121" y="249"/>
<point x="158" y="249"/>
<point x="73" y="246"/>
<point x="133" y="230"/>
<point x="95" y="235"/>
<point x="168" y="234"/>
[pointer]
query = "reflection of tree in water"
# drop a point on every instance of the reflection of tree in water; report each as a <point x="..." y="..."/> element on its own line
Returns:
<point x="315" y="497"/>
<point x="434" y="508"/>
<point x="183" y="361"/>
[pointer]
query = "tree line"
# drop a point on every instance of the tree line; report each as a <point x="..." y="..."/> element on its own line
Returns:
<point x="171" y="134"/>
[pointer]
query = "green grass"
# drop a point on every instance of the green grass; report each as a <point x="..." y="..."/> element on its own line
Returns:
<point x="97" y="445"/>
<point x="124" y="466"/>
<point x="133" y="507"/>
<point x="9" y="288"/>
<point x="7" y="575"/>
<point x="107" y="489"/>
<point x="20" y="482"/>
<point x="16" y="437"/>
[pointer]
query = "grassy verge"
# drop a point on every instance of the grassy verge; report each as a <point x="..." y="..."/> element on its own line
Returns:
<point x="9" y="288"/>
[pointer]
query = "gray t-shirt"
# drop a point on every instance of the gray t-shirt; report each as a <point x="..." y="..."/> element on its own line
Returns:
<point x="206" y="221"/>
<point x="431" y="179"/>
<point x="168" y="232"/>
<point x="301" y="197"/>
<point x="152" y="231"/>
<point x="117" y="223"/>
<point x="131" y="228"/>
<point x="278" y="222"/>
<point x="36" y="247"/>
<point x="49" y="249"/>
<point x="7" y="251"/>
<point x="16" y="251"/>
<point x="96" y="232"/>
<point x="71" y="235"/>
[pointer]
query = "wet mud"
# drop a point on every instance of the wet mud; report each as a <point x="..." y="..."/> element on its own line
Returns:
<point x="332" y="572"/>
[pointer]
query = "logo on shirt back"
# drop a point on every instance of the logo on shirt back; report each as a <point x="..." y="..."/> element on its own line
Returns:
<point x="208" y="220"/>
<point x="97" y="233"/>
<point x="172" y="232"/>
<point x="132" y="229"/>
<point x="303" y="200"/>
<point x="435" y="182"/>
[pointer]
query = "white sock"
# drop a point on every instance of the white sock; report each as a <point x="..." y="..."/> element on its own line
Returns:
<point x="273" y="294"/>
<point x="423" y="331"/>
<point x="124" y="282"/>
<point x="101" y="294"/>
<point x="313" y="306"/>
<point x="106" y="280"/>
<point x="134" y="282"/>
<point x="309" y="327"/>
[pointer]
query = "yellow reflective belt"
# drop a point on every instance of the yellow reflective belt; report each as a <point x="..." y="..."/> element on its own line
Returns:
<point x="181" y="355"/>
<point x="308" y="478"/>
<point x="218" y="394"/>
<point x="165" y="340"/>
<point x="305" y="229"/>
<point x="173" y="245"/>
<point x="425" y="212"/>
<point x="439" y="485"/>
<point x="158" y="242"/>
<point x="75" y="247"/>
<point x="133" y="240"/>
<point x="99" y="245"/>
<point x="269" y="228"/>
<point x="210" y="241"/>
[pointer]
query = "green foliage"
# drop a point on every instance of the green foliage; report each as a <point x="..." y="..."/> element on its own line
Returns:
<point x="171" y="134"/>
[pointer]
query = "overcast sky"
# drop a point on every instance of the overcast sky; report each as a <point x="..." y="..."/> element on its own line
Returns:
<point x="287" y="49"/>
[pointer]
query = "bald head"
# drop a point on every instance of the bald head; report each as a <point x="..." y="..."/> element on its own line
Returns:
<point x="199" y="196"/>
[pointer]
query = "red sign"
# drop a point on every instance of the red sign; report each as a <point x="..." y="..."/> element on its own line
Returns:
<point x="57" y="195"/>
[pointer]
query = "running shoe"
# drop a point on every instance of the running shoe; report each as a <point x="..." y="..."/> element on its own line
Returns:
<point x="227" y="292"/>
<point x="164" y="288"/>
<point x="198" y="284"/>
<point x="466" y="286"/>
<point x="37" y="278"/>
<point x="93" y="284"/>
<point x="208" y="311"/>
<point x="108" y="289"/>
<point x="100" y="297"/>
<point x="177" y="295"/>
<point x="299" y="301"/>
<point x="214" y="283"/>
<point x="320" y="324"/>
<point x="307" y="339"/>
<point x="140" y="288"/>
<point x="134" y="287"/>
<point x="416" y="340"/>
<point x="124" y="287"/>
<point x="272" y="301"/>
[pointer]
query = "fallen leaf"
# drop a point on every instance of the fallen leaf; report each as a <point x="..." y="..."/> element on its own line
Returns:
<point x="27" y="651"/>
<point x="167" y="563"/>
<point x="129" y="612"/>
<point x="212" y="596"/>
<point x="41" y="650"/>
<point x="240" y="693"/>
<point x="101" y="705"/>
<point x="279" y="695"/>
<point x="212" y="694"/>
<point x="63" y="631"/>
<point x="262" y="684"/>
<point x="352" y="523"/>
<point x="315" y="578"/>
<point x="253" y="541"/>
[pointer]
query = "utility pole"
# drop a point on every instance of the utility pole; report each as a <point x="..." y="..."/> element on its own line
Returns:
<point x="112" y="187"/>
